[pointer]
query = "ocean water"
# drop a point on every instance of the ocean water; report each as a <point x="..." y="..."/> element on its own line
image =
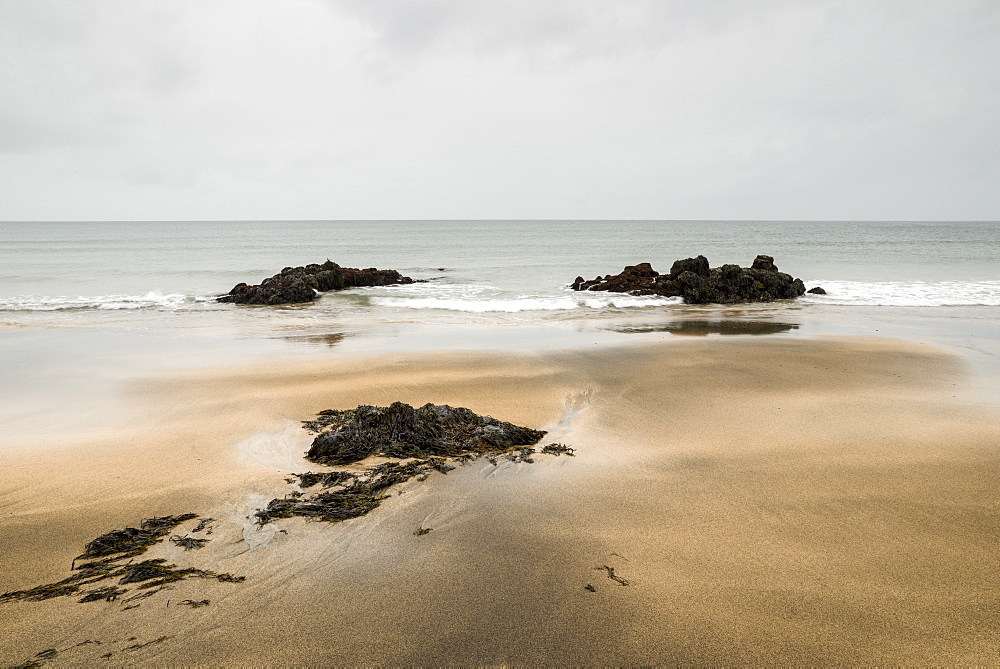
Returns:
<point x="86" y="305"/>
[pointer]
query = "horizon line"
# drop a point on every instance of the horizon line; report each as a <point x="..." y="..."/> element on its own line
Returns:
<point x="505" y="220"/>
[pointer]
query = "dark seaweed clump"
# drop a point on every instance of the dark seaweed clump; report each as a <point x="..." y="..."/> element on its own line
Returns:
<point x="112" y="549"/>
<point x="325" y="479"/>
<point x="427" y="439"/>
<point x="133" y="541"/>
<point x="400" y="431"/>
<point x="558" y="449"/>
<point x="346" y="501"/>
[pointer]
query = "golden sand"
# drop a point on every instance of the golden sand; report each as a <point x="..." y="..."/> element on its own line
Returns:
<point x="768" y="501"/>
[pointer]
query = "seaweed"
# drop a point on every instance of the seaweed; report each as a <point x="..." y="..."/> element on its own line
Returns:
<point x="133" y="541"/>
<point x="158" y="573"/>
<point x="188" y="542"/>
<point x="363" y="495"/>
<point x="439" y="464"/>
<point x="143" y="595"/>
<point x="558" y="449"/>
<point x="402" y="431"/>
<point x="611" y="574"/>
<point x="421" y="531"/>
<point x="146" y="570"/>
<point x="202" y="524"/>
<point x="590" y="588"/>
<point x="329" y="506"/>
<point x="196" y="604"/>
<point x="42" y="592"/>
<point x="39" y="659"/>
<point x="108" y="593"/>
<point x="325" y="479"/>
<point x="137" y="646"/>
<point x="521" y="455"/>
<point x="114" y="547"/>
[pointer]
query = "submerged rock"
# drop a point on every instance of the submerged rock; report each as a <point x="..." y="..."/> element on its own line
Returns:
<point x="303" y="284"/>
<point x="694" y="281"/>
<point x="400" y="431"/>
<point x="818" y="290"/>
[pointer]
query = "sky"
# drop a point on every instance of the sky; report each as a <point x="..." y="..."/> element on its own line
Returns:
<point x="499" y="109"/>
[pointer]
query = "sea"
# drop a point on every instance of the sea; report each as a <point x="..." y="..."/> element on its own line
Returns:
<point x="85" y="307"/>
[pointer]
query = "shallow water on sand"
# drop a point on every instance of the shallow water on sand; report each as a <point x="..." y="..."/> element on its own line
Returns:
<point x="84" y="306"/>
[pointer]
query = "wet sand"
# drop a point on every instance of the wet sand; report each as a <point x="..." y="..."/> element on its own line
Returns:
<point x="768" y="501"/>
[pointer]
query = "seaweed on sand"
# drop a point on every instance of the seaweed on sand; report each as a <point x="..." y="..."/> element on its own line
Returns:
<point x="349" y="501"/>
<point x="39" y="659"/>
<point x="332" y="506"/>
<point x="188" y="542"/>
<point x="133" y="541"/>
<point x="137" y="646"/>
<point x="42" y="592"/>
<point x="325" y="479"/>
<point x="196" y="604"/>
<point x="521" y="455"/>
<point x="108" y="593"/>
<point x="112" y="548"/>
<point x="157" y="572"/>
<point x="558" y="449"/>
<point x="423" y="439"/>
<point x="202" y="524"/>
<point x="611" y="574"/>
<point x="401" y="431"/>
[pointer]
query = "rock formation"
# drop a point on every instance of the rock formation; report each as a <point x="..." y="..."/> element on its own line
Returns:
<point x="693" y="280"/>
<point x="303" y="284"/>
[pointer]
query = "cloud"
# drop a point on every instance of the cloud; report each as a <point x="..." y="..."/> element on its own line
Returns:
<point x="78" y="73"/>
<point x="514" y="109"/>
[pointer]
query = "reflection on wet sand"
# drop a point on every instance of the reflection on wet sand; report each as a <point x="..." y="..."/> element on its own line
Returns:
<point x="329" y="339"/>
<point x="702" y="328"/>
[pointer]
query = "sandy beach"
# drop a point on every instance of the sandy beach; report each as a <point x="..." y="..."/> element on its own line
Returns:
<point x="823" y="501"/>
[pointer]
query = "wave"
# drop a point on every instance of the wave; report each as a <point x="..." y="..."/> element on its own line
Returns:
<point x="519" y="304"/>
<point x="96" y="302"/>
<point x="908" y="293"/>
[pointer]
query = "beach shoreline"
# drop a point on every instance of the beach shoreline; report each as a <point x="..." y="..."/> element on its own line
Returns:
<point x="769" y="499"/>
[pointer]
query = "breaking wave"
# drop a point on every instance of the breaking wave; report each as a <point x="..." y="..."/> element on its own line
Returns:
<point x="908" y="293"/>
<point x="98" y="302"/>
<point x="518" y="304"/>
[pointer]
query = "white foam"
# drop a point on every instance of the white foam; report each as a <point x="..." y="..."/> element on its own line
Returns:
<point x="519" y="304"/>
<point x="908" y="293"/>
<point x="107" y="302"/>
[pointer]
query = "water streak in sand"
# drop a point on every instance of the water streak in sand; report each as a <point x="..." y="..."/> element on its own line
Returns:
<point x="255" y="536"/>
<point x="281" y="451"/>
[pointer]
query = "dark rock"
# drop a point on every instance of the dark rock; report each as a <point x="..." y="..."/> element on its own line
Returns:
<point x="633" y="278"/>
<point x="816" y="291"/>
<point x="693" y="280"/>
<point x="400" y="431"/>
<point x="764" y="262"/>
<point x="302" y="284"/>
<point x="697" y="265"/>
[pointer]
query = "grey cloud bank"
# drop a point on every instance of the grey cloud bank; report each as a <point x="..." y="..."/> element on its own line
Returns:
<point x="354" y="109"/>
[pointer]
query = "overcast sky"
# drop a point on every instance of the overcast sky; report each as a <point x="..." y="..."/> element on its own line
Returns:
<point x="424" y="109"/>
